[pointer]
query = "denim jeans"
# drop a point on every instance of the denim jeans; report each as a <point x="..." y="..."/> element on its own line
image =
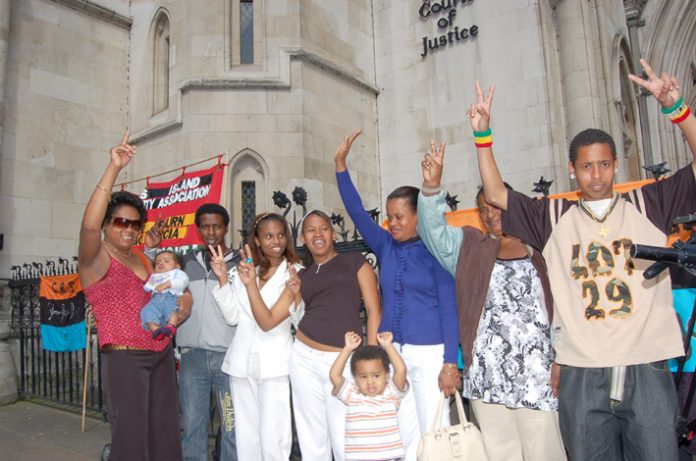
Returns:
<point x="641" y="426"/>
<point x="200" y="374"/>
<point x="159" y="309"/>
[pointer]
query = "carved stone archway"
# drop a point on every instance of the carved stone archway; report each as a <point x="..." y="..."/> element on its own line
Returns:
<point x="248" y="180"/>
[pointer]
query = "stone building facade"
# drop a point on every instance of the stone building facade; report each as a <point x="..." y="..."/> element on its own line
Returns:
<point x="274" y="85"/>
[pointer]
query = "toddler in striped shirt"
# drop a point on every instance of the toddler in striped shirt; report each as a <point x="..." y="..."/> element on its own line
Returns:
<point x="372" y="427"/>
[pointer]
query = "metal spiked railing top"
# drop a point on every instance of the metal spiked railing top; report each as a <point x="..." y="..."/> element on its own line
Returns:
<point x="451" y="201"/>
<point x="299" y="202"/>
<point x="658" y="170"/>
<point x="542" y="186"/>
<point x="34" y="270"/>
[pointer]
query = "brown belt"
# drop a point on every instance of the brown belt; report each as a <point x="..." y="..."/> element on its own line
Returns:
<point x="121" y="347"/>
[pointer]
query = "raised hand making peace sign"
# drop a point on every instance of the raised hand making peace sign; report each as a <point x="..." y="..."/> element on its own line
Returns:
<point x="153" y="236"/>
<point x="665" y="88"/>
<point x="218" y="264"/>
<point x="246" y="269"/>
<point x="432" y="165"/>
<point x="293" y="282"/>
<point x="479" y="113"/>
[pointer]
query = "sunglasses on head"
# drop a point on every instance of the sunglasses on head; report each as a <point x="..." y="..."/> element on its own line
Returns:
<point x="124" y="223"/>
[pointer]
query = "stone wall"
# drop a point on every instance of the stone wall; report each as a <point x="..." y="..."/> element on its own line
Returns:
<point x="279" y="120"/>
<point x="426" y="95"/>
<point x="554" y="66"/>
<point x="66" y="102"/>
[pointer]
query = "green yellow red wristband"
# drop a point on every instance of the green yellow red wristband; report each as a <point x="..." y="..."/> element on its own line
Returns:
<point x="483" y="138"/>
<point x="678" y="112"/>
<point x="682" y="115"/>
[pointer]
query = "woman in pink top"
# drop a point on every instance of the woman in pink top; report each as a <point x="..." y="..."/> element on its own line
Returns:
<point x="138" y="370"/>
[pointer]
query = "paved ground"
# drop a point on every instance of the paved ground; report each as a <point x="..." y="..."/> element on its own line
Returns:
<point x="35" y="432"/>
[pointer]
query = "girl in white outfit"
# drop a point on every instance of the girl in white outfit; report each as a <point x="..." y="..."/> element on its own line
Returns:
<point x="331" y="288"/>
<point x="257" y="359"/>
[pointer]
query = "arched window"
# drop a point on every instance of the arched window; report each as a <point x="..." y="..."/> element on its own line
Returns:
<point x="248" y="199"/>
<point x="160" y="71"/>
<point x="249" y="194"/>
<point x="624" y="120"/>
<point x="246" y="32"/>
<point x="629" y="123"/>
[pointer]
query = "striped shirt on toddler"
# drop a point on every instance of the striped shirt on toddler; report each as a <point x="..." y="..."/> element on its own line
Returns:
<point x="372" y="427"/>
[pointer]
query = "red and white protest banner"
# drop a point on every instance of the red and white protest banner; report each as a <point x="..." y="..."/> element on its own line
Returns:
<point x="176" y="202"/>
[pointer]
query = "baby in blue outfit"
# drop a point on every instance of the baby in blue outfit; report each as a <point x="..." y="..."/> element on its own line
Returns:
<point x="161" y="314"/>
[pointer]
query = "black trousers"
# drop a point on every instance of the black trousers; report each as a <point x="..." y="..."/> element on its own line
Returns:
<point x="143" y="405"/>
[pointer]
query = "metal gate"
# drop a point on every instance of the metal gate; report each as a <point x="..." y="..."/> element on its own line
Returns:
<point x="46" y="375"/>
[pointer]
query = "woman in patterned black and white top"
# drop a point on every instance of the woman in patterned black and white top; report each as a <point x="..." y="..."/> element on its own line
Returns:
<point x="512" y="354"/>
<point x="505" y="310"/>
<point x="506" y="345"/>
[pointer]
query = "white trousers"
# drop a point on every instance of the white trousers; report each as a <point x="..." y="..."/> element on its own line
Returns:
<point x="263" y="421"/>
<point x="320" y="417"/>
<point x="517" y="434"/>
<point x="420" y="403"/>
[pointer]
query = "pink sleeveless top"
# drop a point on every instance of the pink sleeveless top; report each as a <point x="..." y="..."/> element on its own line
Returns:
<point x="116" y="303"/>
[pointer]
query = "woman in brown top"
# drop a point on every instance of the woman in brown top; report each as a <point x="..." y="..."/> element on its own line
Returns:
<point x="330" y="289"/>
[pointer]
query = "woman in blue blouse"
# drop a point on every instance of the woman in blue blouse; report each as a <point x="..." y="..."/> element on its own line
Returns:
<point x="418" y="301"/>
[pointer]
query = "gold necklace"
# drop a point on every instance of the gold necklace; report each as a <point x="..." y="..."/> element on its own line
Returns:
<point x="122" y="253"/>
<point x="604" y="230"/>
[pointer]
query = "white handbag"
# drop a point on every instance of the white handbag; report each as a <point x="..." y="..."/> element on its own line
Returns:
<point x="461" y="442"/>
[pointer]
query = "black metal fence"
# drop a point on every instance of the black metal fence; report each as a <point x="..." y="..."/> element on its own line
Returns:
<point x="46" y="375"/>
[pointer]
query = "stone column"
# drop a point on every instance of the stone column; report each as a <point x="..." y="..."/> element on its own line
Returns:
<point x="579" y="62"/>
<point x="633" y="20"/>
<point x="4" y="55"/>
<point x="8" y="375"/>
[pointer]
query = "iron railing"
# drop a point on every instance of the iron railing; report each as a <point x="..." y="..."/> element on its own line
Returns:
<point x="46" y="375"/>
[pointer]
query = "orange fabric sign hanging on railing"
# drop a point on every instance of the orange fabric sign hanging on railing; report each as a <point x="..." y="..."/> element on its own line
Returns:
<point x="469" y="217"/>
<point x="62" y="313"/>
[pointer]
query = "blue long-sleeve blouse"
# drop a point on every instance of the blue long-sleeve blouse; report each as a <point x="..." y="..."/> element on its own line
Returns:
<point x="418" y="295"/>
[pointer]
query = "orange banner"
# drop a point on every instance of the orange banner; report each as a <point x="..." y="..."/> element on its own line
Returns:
<point x="469" y="217"/>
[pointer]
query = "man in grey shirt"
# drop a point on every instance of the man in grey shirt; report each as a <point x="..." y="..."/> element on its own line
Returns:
<point x="203" y="340"/>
